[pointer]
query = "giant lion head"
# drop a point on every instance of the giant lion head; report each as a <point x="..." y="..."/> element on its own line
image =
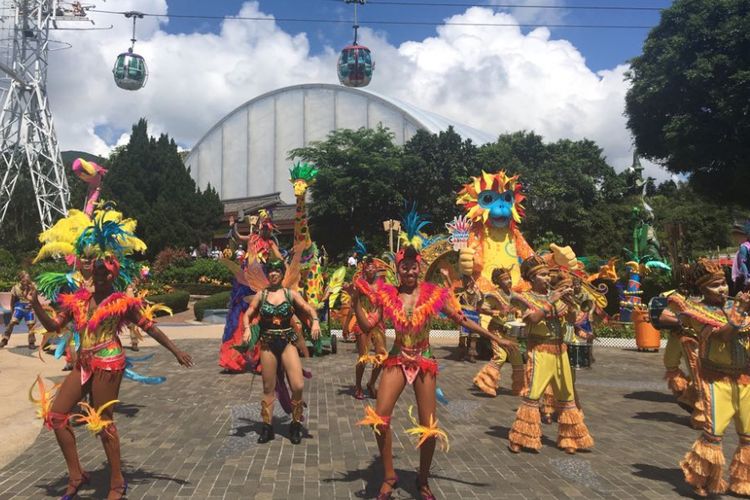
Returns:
<point x="493" y="199"/>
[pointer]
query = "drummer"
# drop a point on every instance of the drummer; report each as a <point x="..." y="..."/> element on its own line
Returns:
<point x="505" y="322"/>
<point x="581" y="347"/>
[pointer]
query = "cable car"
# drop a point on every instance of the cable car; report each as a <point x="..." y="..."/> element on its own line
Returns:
<point x="130" y="71"/>
<point x="355" y="66"/>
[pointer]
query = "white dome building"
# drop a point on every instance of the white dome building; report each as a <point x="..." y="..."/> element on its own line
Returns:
<point x="245" y="154"/>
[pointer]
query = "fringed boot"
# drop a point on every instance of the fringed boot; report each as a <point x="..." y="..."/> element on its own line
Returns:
<point x="266" y="413"/>
<point x="295" y="428"/>
<point x="703" y="466"/>
<point x="572" y="433"/>
<point x="527" y="428"/>
<point x="739" y="469"/>
<point x="488" y="379"/>
<point x="676" y="381"/>
<point x="548" y="405"/>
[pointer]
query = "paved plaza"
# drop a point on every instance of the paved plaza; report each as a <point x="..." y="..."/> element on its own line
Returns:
<point x="194" y="437"/>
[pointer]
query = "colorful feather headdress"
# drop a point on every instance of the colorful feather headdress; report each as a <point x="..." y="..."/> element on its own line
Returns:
<point x="78" y="238"/>
<point x="411" y="236"/>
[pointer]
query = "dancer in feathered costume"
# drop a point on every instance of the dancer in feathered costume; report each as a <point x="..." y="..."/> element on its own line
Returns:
<point x="368" y="271"/>
<point x="409" y="306"/>
<point x="722" y="327"/>
<point x="545" y="314"/>
<point x="98" y="247"/>
<point x="274" y="305"/>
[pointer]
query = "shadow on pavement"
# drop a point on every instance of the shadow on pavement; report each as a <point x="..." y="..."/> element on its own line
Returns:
<point x="663" y="416"/>
<point x="663" y="474"/>
<point x="100" y="482"/>
<point x="373" y="478"/>
<point x="653" y="396"/>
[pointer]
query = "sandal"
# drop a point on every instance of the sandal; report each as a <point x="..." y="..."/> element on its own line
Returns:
<point x="122" y="490"/>
<point x="359" y="393"/>
<point x="392" y="482"/>
<point x="424" y="491"/>
<point x="76" y="485"/>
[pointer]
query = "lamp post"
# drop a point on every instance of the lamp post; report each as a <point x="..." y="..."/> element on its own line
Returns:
<point x="390" y="226"/>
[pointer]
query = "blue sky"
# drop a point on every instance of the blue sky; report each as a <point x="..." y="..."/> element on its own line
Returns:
<point x="602" y="48"/>
<point x="561" y="83"/>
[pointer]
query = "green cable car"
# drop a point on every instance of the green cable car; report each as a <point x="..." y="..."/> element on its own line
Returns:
<point x="130" y="71"/>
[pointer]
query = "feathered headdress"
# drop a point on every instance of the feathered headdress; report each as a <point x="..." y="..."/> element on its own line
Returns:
<point x="705" y="271"/>
<point x="360" y="249"/>
<point x="411" y="236"/>
<point x="106" y="236"/>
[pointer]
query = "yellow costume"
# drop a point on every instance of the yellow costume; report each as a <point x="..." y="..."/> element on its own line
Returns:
<point x="724" y="387"/>
<point x="488" y="378"/>
<point x="547" y="364"/>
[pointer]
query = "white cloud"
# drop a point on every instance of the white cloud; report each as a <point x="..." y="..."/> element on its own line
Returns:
<point x="495" y="79"/>
<point x="528" y="12"/>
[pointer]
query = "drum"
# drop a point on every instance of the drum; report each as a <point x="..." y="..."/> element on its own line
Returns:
<point x="515" y="329"/>
<point x="579" y="355"/>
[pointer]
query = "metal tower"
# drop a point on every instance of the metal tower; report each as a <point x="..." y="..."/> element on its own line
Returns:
<point x="27" y="135"/>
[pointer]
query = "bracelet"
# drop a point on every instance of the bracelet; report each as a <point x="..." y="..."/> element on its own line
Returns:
<point x="316" y="319"/>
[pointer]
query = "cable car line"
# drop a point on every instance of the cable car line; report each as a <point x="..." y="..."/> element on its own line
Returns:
<point x="386" y="22"/>
<point x="509" y="6"/>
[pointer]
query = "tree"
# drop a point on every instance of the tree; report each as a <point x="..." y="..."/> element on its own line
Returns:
<point x="689" y="103"/>
<point x="149" y="182"/>
<point x="433" y="168"/>
<point x="355" y="190"/>
<point x="566" y="183"/>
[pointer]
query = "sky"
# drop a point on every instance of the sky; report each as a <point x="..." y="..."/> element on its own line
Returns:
<point x="558" y="82"/>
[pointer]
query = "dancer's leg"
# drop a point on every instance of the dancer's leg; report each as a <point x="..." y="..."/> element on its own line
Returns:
<point x="68" y="395"/>
<point x="105" y="387"/>
<point x="391" y="386"/>
<point x="424" y="391"/>
<point x="363" y="341"/>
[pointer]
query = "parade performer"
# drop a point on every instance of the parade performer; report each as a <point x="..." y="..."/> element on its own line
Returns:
<point x="410" y="306"/>
<point x="261" y="242"/>
<point x="98" y="248"/>
<point x="21" y="309"/>
<point x="492" y="202"/>
<point x="274" y="306"/>
<point x="722" y="327"/>
<point x="681" y="344"/>
<point x="499" y="306"/>
<point x="545" y="313"/>
<point x="470" y="298"/>
<point x="376" y="335"/>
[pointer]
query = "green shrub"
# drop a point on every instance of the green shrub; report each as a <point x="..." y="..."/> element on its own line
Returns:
<point x="202" y="288"/>
<point x="217" y="301"/>
<point x="200" y="271"/>
<point x="170" y="257"/>
<point x="176" y="300"/>
<point x="615" y="331"/>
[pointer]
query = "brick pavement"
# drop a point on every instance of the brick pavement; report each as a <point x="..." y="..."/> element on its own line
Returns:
<point x="194" y="437"/>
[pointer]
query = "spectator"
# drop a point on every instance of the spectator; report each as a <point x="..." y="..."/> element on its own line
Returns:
<point x="352" y="260"/>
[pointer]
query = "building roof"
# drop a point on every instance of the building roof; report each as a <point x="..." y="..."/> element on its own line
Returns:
<point x="245" y="154"/>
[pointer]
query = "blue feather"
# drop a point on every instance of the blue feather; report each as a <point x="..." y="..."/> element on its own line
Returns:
<point x="359" y="247"/>
<point x="413" y="222"/>
<point x="61" y="343"/>
<point x="440" y="395"/>
<point x="136" y="377"/>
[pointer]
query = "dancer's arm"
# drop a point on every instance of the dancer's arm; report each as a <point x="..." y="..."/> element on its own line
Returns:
<point x="51" y="325"/>
<point x="365" y="320"/>
<point x="300" y="305"/>
<point x="155" y="333"/>
<point x="465" y="322"/>
<point x="249" y="315"/>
